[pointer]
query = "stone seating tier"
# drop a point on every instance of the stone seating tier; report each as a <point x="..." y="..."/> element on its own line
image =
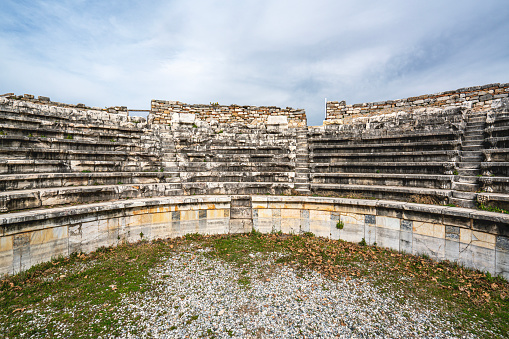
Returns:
<point x="18" y="123"/>
<point x="237" y="166"/>
<point x="494" y="184"/>
<point x="367" y="136"/>
<point x="228" y="188"/>
<point x="397" y="193"/>
<point x="498" y="169"/>
<point x="384" y="167"/>
<point x="417" y="146"/>
<point x="237" y="157"/>
<point x="249" y="149"/>
<point x="27" y="166"/>
<point x="502" y="142"/>
<point x="53" y="113"/>
<point x="70" y="155"/>
<point x="231" y="176"/>
<point x="47" y="180"/>
<point x="384" y="179"/>
<point x="497" y="155"/>
<point x="72" y="144"/>
<point x="374" y="158"/>
<point x="48" y="197"/>
<point x="494" y="200"/>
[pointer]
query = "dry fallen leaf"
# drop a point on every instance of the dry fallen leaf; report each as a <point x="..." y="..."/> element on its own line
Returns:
<point x="113" y="287"/>
<point x="19" y="310"/>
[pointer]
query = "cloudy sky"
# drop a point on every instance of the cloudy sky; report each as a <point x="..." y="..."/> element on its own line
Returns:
<point x="250" y="52"/>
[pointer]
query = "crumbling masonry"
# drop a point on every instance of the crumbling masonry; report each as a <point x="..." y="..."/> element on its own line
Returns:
<point x="407" y="174"/>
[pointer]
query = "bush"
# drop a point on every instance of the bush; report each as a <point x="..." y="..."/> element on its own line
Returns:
<point x="340" y="225"/>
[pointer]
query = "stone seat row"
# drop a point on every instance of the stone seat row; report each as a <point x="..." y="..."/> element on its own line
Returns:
<point x="239" y="176"/>
<point x="68" y="155"/>
<point x="396" y="157"/>
<point x="498" y="169"/>
<point x="69" y="133"/>
<point x="427" y="167"/>
<point x="367" y="137"/>
<point x="27" y="166"/>
<point x="414" y="146"/>
<point x="496" y="155"/>
<point x="79" y="119"/>
<point x="397" y="193"/>
<point x="236" y="157"/>
<point x="222" y="187"/>
<point x="71" y="144"/>
<point x="10" y="182"/>
<point x="40" y="116"/>
<point x="238" y="166"/>
<point x="48" y="197"/>
<point x="494" y="184"/>
<point x="502" y="142"/>
<point x="241" y="149"/>
<point x="384" y="179"/>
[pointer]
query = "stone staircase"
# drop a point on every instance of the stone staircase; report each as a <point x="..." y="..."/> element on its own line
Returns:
<point x="466" y="184"/>
<point x="169" y="161"/>
<point x="302" y="162"/>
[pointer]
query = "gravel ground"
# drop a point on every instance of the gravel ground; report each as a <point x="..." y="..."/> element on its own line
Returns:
<point x="194" y="296"/>
<point x="197" y="296"/>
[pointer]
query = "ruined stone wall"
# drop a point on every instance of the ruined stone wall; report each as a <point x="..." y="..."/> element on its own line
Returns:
<point x="162" y="113"/>
<point x="477" y="98"/>
<point x="109" y="177"/>
<point x="47" y="102"/>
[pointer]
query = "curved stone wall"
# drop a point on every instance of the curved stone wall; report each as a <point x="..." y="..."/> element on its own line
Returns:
<point x="475" y="239"/>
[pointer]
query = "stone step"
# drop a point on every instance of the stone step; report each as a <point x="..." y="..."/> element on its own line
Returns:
<point x="472" y="148"/>
<point x="473" y="132"/>
<point x="35" y="198"/>
<point x="478" y="143"/>
<point x="469" y="165"/>
<point x="473" y="137"/>
<point x="475" y="124"/>
<point x="464" y="195"/>
<point x="466" y="179"/>
<point x="468" y="172"/>
<point x="465" y="187"/>
<point x="466" y="203"/>
<point x="477" y="158"/>
<point x="478" y="119"/>
<point x="471" y="154"/>
<point x="301" y="185"/>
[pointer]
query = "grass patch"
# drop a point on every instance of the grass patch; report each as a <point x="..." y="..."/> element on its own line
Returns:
<point x="89" y="292"/>
<point x="492" y="209"/>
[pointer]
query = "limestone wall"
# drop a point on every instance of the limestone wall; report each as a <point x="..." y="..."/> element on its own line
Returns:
<point x="473" y="238"/>
<point x="476" y="239"/>
<point x="47" y="101"/>
<point x="163" y="112"/>
<point x="478" y="98"/>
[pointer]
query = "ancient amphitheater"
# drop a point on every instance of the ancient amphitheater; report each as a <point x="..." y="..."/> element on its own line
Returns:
<point x="407" y="174"/>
